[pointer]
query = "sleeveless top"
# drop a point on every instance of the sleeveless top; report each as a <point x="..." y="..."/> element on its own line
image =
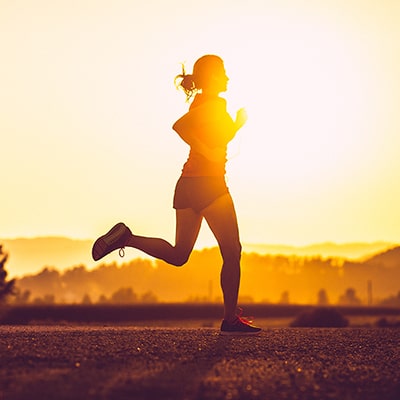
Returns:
<point x="215" y="130"/>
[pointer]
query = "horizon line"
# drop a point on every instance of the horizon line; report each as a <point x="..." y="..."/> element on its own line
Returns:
<point x="322" y="242"/>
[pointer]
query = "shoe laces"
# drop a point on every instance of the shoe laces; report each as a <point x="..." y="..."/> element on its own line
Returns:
<point x="121" y="251"/>
<point x="241" y="318"/>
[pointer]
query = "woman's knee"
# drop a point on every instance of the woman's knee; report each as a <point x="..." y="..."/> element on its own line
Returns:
<point x="231" y="253"/>
<point x="180" y="258"/>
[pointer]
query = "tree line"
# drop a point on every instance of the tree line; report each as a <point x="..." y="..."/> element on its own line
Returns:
<point x="265" y="278"/>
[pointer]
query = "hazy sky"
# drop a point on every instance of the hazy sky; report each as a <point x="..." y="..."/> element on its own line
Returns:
<point x="87" y="102"/>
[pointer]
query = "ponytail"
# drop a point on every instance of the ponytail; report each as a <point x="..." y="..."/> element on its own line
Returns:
<point x="186" y="83"/>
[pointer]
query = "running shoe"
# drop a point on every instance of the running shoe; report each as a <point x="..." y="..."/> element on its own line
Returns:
<point x="239" y="327"/>
<point x="114" y="239"/>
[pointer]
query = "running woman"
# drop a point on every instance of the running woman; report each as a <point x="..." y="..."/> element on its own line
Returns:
<point x="201" y="191"/>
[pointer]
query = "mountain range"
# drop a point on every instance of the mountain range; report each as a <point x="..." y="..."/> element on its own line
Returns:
<point x="30" y="255"/>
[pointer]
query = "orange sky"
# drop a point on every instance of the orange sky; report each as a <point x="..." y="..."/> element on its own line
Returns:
<point x="87" y="102"/>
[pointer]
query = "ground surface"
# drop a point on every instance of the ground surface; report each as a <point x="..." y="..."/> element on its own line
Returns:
<point x="39" y="362"/>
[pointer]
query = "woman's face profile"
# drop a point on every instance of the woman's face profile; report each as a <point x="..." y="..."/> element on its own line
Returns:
<point x="219" y="80"/>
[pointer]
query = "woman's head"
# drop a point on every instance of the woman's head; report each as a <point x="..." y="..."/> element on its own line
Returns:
<point x="208" y="75"/>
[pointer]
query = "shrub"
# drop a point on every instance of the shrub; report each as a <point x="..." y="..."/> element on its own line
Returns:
<point x="323" y="317"/>
<point x="6" y="287"/>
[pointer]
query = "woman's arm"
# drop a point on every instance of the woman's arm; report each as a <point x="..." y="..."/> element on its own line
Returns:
<point x="241" y="118"/>
<point x="208" y="128"/>
<point x="215" y="154"/>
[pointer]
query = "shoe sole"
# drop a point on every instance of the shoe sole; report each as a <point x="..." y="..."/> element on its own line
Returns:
<point x="227" y="333"/>
<point x="103" y="242"/>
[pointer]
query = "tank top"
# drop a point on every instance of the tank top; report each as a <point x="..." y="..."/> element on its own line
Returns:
<point x="211" y="136"/>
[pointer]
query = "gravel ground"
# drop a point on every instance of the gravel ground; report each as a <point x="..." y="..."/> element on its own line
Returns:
<point x="74" y="362"/>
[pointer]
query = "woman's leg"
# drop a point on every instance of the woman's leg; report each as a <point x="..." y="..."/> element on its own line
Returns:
<point x="188" y="224"/>
<point x="221" y="218"/>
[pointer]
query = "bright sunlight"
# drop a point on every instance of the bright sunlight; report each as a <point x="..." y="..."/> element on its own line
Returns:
<point x="88" y="102"/>
<point x="307" y="97"/>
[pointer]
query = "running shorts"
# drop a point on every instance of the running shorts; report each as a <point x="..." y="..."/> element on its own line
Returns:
<point x="198" y="192"/>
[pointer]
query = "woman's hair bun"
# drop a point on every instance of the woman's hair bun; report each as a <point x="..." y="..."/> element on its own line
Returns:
<point x="187" y="82"/>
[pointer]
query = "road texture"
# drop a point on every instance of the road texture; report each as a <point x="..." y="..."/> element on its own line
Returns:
<point x="76" y="362"/>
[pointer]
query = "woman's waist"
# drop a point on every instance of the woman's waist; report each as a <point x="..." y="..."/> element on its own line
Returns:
<point x="197" y="165"/>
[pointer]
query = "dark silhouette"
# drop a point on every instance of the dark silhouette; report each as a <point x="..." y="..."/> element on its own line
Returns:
<point x="392" y="301"/>
<point x="6" y="287"/>
<point x="321" y="317"/>
<point x="201" y="191"/>
<point x="266" y="278"/>
<point x="124" y="296"/>
<point x="86" y="300"/>
<point x="387" y="323"/>
<point x="349" y="298"/>
<point x="284" y="298"/>
<point x="322" y="298"/>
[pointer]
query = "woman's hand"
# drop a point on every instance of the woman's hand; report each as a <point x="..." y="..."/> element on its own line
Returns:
<point x="241" y="118"/>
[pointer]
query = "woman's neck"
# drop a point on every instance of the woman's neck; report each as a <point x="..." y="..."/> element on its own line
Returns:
<point x="210" y="92"/>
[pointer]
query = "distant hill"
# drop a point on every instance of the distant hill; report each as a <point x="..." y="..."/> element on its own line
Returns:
<point x="388" y="259"/>
<point x="350" y="251"/>
<point x="30" y="255"/>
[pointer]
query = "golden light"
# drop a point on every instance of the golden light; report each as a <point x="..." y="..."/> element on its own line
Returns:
<point x="319" y="81"/>
<point x="308" y="92"/>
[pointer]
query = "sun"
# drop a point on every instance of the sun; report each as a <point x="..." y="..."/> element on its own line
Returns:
<point x="306" y="102"/>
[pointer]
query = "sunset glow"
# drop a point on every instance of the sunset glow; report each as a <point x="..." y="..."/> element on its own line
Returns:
<point x="87" y="104"/>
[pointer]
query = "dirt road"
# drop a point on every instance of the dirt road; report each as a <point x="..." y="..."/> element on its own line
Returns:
<point x="39" y="362"/>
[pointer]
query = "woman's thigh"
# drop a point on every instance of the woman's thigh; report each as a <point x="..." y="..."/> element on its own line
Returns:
<point x="222" y="220"/>
<point x="188" y="224"/>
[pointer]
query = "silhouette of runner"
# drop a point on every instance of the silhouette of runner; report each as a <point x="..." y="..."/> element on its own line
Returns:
<point x="201" y="191"/>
